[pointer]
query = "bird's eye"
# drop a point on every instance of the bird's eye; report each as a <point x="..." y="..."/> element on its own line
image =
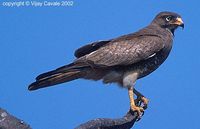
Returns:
<point x="169" y="18"/>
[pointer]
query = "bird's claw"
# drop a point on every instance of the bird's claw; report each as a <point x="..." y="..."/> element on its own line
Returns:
<point x="145" y="102"/>
<point x="139" y="110"/>
<point x="142" y="102"/>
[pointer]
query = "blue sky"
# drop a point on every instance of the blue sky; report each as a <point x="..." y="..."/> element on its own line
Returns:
<point x="35" y="40"/>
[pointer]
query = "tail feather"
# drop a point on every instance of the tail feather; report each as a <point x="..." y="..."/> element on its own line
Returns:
<point x="63" y="74"/>
<point x="63" y="69"/>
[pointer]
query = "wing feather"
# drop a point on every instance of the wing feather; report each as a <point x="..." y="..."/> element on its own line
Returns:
<point x="126" y="52"/>
<point x="84" y="50"/>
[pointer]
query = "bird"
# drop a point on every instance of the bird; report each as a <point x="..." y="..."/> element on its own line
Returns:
<point x="122" y="60"/>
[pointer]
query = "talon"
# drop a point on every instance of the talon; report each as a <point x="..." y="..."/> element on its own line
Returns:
<point x="145" y="102"/>
<point x="139" y="110"/>
<point x="141" y="100"/>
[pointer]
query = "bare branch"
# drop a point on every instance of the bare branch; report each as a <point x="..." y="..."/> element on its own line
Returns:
<point x="8" y="121"/>
<point x="104" y="123"/>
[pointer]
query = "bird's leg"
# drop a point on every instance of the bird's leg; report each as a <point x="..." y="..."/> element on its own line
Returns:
<point x="140" y="97"/>
<point x="139" y="110"/>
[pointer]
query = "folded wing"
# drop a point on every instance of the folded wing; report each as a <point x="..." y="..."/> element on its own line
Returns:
<point x="125" y="52"/>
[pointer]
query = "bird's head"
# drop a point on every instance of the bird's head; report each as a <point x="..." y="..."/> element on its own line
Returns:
<point x="168" y="20"/>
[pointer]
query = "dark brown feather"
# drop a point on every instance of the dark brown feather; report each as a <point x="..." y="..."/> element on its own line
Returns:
<point x="60" y="75"/>
<point x="89" y="48"/>
<point x="56" y="79"/>
<point x="126" y="51"/>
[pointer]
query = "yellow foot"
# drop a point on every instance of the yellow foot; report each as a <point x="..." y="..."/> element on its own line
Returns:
<point x="142" y="101"/>
<point x="139" y="110"/>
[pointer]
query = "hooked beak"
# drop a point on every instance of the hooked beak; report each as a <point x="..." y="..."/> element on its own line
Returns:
<point x="179" y="22"/>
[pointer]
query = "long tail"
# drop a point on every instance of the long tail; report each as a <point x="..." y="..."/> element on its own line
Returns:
<point x="63" y="74"/>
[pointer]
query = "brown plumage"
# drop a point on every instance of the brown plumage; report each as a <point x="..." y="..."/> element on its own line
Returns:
<point x="122" y="60"/>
